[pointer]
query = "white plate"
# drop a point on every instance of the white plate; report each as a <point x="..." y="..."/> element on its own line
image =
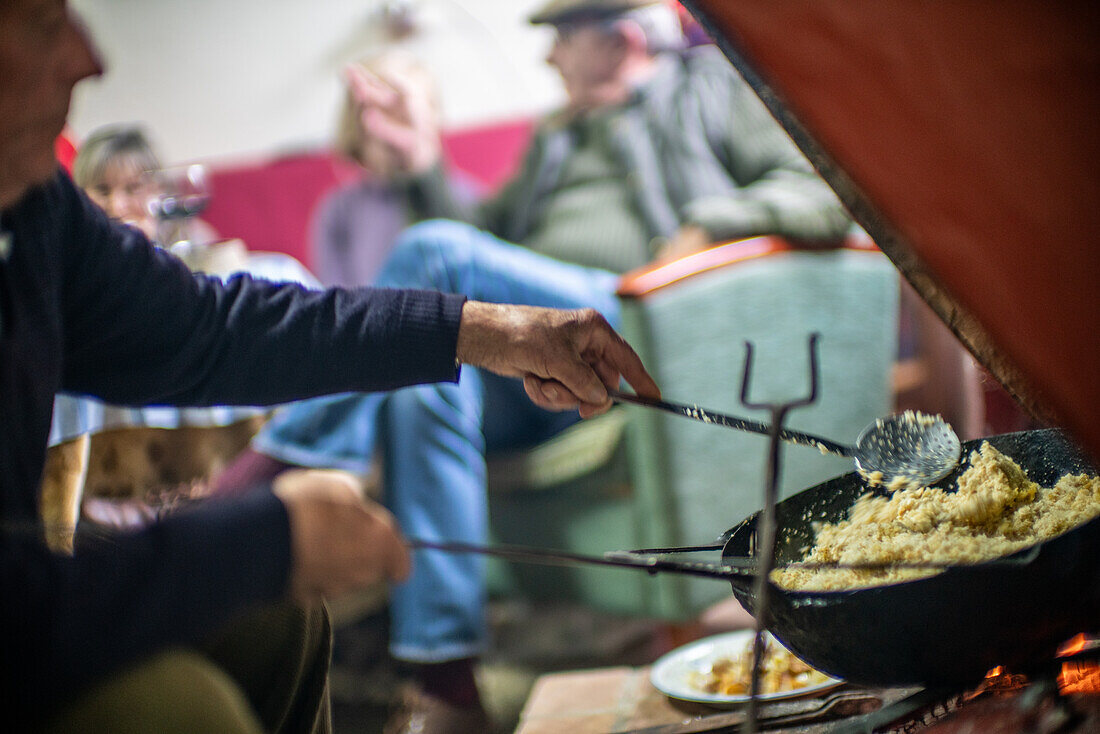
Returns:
<point x="672" y="673"/>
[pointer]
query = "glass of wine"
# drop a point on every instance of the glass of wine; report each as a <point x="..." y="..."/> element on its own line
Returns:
<point x="184" y="194"/>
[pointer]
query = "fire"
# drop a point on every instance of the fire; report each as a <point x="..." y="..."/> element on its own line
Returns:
<point x="1077" y="644"/>
<point x="1079" y="676"/>
<point x="997" y="680"/>
<point x="1076" y="676"/>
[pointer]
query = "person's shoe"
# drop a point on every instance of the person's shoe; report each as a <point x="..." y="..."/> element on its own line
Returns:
<point x="422" y="713"/>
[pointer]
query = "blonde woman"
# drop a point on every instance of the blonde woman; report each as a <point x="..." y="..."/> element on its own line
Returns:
<point x="355" y="225"/>
<point x="119" y="170"/>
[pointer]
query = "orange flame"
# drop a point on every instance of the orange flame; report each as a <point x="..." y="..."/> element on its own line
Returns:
<point x="1079" y="676"/>
<point x="1076" y="644"/>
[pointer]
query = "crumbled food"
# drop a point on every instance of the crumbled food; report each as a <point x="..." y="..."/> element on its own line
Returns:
<point x="915" y="417"/>
<point x="781" y="671"/>
<point x="901" y="481"/>
<point x="873" y="478"/>
<point x="996" y="510"/>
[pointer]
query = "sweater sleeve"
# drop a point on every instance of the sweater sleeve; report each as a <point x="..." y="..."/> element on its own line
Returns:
<point x="74" y="619"/>
<point x="130" y="323"/>
<point x="778" y="190"/>
<point x="140" y="328"/>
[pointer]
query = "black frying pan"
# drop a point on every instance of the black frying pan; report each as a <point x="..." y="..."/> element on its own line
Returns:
<point x="946" y="629"/>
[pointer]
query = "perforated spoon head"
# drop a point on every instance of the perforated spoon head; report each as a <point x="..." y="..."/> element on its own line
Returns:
<point x="907" y="450"/>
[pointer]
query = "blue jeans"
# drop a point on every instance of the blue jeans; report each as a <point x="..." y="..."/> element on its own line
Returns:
<point x="433" y="439"/>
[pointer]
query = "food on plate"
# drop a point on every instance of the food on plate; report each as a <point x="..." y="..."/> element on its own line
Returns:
<point x="781" y="671"/>
<point x="995" y="510"/>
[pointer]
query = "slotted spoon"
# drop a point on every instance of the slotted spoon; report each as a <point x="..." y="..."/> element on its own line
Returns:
<point x="900" y="451"/>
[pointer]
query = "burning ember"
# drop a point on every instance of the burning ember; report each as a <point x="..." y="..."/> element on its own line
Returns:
<point x="1006" y="701"/>
<point x="1076" y="676"/>
<point x="1079" y="676"/>
<point x="997" y="680"/>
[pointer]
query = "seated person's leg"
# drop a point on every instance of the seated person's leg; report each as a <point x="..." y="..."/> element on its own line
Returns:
<point x="435" y="440"/>
<point x="266" y="672"/>
<point x="458" y="258"/>
<point x="175" y="691"/>
<point x="434" y="483"/>
<point x="332" y="432"/>
<point x="280" y="655"/>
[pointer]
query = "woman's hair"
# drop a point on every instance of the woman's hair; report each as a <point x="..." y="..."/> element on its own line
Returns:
<point x="108" y="145"/>
<point x="395" y="68"/>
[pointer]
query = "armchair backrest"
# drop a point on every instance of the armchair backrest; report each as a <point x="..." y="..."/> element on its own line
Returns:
<point x="690" y="323"/>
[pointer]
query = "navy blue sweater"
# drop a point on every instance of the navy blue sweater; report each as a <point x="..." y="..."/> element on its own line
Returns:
<point x="91" y="307"/>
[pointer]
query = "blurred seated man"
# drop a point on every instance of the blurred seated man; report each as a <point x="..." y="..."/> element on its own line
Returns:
<point x="659" y="152"/>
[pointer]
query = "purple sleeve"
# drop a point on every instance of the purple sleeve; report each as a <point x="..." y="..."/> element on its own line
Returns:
<point x="329" y="241"/>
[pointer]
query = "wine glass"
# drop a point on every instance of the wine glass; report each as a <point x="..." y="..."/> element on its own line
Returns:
<point x="185" y="193"/>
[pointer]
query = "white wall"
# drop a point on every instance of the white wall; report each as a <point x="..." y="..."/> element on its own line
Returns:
<point x="246" y="78"/>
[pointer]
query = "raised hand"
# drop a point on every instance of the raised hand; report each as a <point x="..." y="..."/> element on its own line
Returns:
<point x="398" y="114"/>
<point x="567" y="359"/>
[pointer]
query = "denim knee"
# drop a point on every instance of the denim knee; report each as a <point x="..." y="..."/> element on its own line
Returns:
<point x="438" y="237"/>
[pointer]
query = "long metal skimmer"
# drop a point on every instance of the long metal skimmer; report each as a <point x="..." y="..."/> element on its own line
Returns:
<point x="904" y="450"/>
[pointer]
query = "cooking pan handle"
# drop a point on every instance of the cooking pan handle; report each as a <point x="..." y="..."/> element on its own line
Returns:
<point x="623" y="559"/>
<point x="718" y="543"/>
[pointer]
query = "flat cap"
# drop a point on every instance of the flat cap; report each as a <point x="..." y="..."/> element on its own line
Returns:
<point x="570" y="11"/>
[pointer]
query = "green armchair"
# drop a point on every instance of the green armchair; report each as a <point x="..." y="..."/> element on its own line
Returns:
<point x="636" y="478"/>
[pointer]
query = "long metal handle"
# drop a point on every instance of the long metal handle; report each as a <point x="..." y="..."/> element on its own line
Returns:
<point x="650" y="560"/>
<point x="740" y="424"/>
<point x="623" y="559"/>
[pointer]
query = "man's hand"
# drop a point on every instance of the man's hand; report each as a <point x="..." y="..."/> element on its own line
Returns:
<point x="338" y="541"/>
<point x="567" y="359"/>
<point x="400" y="116"/>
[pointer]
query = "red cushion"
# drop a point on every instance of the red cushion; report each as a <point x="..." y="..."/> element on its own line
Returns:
<point x="64" y="148"/>
<point x="268" y="204"/>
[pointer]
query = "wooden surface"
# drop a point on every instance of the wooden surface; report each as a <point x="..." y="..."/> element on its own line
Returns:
<point x="613" y="700"/>
<point x="599" y="701"/>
